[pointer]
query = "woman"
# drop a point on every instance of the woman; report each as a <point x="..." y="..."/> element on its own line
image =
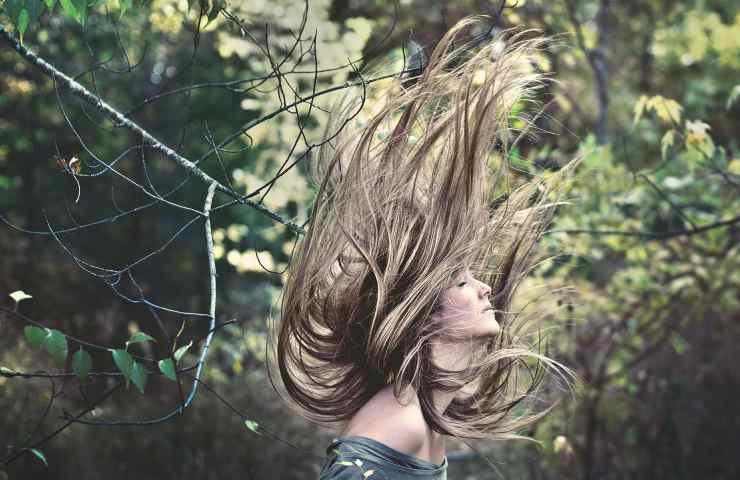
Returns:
<point x="396" y="324"/>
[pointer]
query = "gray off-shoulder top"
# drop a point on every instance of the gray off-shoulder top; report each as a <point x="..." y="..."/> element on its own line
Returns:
<point x="361" y="458"/>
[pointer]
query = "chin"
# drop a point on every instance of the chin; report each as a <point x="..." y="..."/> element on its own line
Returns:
<point x="489" y="331"/>
<point x="491" y="327"/>
<point x="494" y="330"/>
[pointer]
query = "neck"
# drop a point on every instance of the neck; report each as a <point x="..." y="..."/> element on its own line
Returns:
<point x="450" y="356"/>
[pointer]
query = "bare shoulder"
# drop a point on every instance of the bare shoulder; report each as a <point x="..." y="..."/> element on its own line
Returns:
<point x="383" y="418"/>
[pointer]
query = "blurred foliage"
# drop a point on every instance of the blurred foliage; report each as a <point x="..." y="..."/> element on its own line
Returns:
<point x="645" y="272"/>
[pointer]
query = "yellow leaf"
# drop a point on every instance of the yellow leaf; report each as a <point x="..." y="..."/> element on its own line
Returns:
<point x="559" y="443"/>
<point x="639" y="109"/>
<point x="667" y="142"/>
<point x="368" y="473"/>
<point x="697" y="127"/>
<point x="237" y="367"/>
<point x="698" y="138"/>
<point x="734" y="166"/>
<point x="668" y="110"/>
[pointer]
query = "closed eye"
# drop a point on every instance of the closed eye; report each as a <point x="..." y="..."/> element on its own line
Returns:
<point x="462" y="284"/>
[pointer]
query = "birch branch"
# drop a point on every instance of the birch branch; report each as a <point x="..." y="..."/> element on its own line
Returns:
<point x="121" y="120"/>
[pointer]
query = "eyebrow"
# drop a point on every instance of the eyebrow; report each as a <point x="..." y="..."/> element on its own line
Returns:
<point x="460" y="274"/>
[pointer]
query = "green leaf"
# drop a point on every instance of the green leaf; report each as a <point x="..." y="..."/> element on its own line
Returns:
<point x="22" y="23"/>
<point x="182" y="350"/>
<point x="34" y="7"/>
<point x="666" y="142"/>
<point x="139" y="376"/>
<point x="50" y="4"/>
<point x="126" y="5"/>
<point x="81" y="7"/>
<point x="679" y="343"/>
<point x="40" y="455"/>
<point x="252" y="425"/>
<point x="167" y="366"/>
<point x="734" y="95"/>
<point x="81" y="363"/>
<point x="12" y="8"/>
<point x="56" y="344"/>
<point x="124" y="362"/>
<point x="215" y="9"/>
<point x="139" y="337"/>
<point x="69" y="8"/>
<point x="35" y="336"/>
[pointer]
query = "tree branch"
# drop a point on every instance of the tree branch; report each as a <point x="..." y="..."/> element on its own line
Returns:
<point x="122" y="121"/>
<point x="651" y="235"/>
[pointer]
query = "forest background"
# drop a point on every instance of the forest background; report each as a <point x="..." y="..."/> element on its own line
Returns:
<point x="647" y="272"/>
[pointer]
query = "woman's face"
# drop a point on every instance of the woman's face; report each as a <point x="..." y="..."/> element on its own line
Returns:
<point x="465" y="306"/>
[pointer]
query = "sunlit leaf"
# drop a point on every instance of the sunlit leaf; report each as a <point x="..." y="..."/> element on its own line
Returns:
<point x="734" y="166"/>
<point x="40" y="455"/>
<point x="56" y="344"/>
<point x="639" y="109"/>
<point x="182" y="351"/>
<point x="167" y="367"/>
<point x="668" y="110"/>
<point x="698" y="138"/>
<point x="82" y="8"/>
<point x="81" y="363"/>
<point x="252" y="425"/>
<point x="676" y="183"/>
<point x="667" y="142"/>
<point x="22" y="23"/>
<point x="19" y="295"/>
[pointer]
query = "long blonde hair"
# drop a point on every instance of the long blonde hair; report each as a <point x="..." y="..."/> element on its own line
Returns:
<point x="404" y="203"/>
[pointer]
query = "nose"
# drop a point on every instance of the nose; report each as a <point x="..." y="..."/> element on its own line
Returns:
<point x="485" y="290"/>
